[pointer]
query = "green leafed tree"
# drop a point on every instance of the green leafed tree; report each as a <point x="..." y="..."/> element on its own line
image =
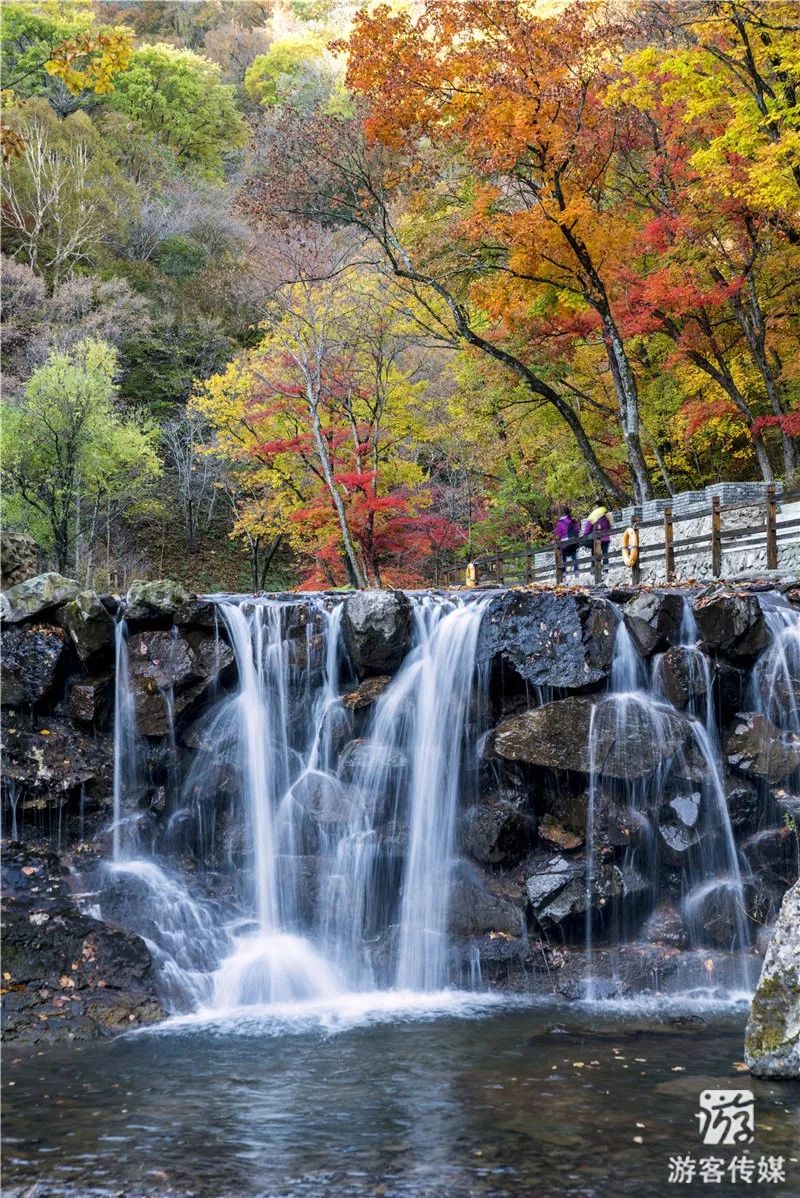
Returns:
<point x="297" y="73"/>
<point x="67" y="450"/>
<point x="179" y="97"/>
<point x="63" y="195"/>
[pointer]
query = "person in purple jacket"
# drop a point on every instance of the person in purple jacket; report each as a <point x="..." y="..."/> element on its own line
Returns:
<point x="598" y="519"/>
<point x="568" y="529"/>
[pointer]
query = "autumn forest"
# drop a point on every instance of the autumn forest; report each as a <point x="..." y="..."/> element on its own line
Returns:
<point x="310" y="293"/>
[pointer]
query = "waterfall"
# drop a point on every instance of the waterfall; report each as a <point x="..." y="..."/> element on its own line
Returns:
<point x="341" y="862"/>
<point x="775" y="689"/>
<point x="444" y="689"/>
<point x="679" y="808"/>
<point x="125" y="741"/>
<point x="307" y="844"/>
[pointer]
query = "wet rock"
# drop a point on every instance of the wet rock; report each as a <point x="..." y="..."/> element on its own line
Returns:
<point x="732" y="624"/>
<point x="772" y="1038"/>
<point x="653" y="620"/>
<point x="199" y="613"/>
<point x="629" y="742"/>
<point x="557" y="835"/>
<point x="743" y="802"/>
<point x="665" y="926"/>
<point x="754" y="746"/>
<point x="677" y="840"/>
<point x="364" y="757"/>
<point x="730" y="689"/>
<point x="549" y="881"/>
<point x="155" y="602"/>
<point x="308" y="652"/>
<point x="683" y="675"/>
<point x="377" y="630"/>
<point x="325" y="801"/>
<point x="367" y="693"/>
<point x="679" y="824"/>
<point x="35" y="596"/>
<point x="66" y="975"/>
<point x="496" y="831"/>
<point x="31" y="659"/>
<point x="90" y="700"/>
<point x="88" y="624"/>
<point x="51" y="759"/>
<point x="685" y="808"/>
<point x="712" y="914"/>
<point x="559" y="889"/>
<point x="549" y="640"/>
<point x="169" y="671"/>
<point x="482" y="903"/>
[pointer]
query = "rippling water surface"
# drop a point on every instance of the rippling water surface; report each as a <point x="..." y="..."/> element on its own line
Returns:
<point x="437" y="1098"/>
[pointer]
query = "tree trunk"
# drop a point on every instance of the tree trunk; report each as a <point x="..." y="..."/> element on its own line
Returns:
<point x="358" y="578"/>
<point x="628" y="399"/>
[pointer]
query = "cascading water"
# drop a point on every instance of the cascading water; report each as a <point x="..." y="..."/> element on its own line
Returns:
<point x="125" y="747"/>
<point x="342" y="868"/>
<point x="310" y="850"/>
<point x="683" y="845"/>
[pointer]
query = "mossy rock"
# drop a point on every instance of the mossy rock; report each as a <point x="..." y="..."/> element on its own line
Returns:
<point x="772" y="1038"/>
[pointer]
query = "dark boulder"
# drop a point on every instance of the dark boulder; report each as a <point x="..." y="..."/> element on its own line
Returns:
<point x="630" y="737"/>
<point x="665" y="925"/>
<point x="731" y="686"/>
<point x="52" y="759"/>
<point x="559" y="889"/>
<point x="653" y="620"/>
<point x="169" y="674"/>
<point x="743" y="802"/>
<point x="497" y="831"/>
<point x="155" y="602"/>
<point x="89" y="626"/>
<point x="754" y="746"/>
<point x="66" y="975"/>
<point x="377" y="630"/>
<point x="35" y="596"/>
<point x="90" y="700"/>
<point x="199" y="613"/>
<point x="325" y="801"/>
<point x="366" y="760"/>
<point x="483" y="903"/>
<point x="547" y="639"/>
<point x="731" y="623"/>
<point x="31" y="658"/>
<point x="683" y="676"/>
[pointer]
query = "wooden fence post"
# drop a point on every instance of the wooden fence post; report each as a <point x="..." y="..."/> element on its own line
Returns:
<point x="498" y="569"/>
<point x="559" y="556"/>
<point x="772" y="529"/>
<point x="528" y="565"/>
<point x="669" y="545"/>
<point x="716" y="536"/>
<point x="597" y="552"/>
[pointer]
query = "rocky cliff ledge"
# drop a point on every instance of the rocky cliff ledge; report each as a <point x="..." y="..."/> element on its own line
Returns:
<point x="525" y="877"/>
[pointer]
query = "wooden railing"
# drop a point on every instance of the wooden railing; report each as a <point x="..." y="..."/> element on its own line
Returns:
<point x="521" y="566"/>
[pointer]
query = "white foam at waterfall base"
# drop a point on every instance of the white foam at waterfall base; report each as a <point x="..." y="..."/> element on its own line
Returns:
<point x="342" y="1013"/>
